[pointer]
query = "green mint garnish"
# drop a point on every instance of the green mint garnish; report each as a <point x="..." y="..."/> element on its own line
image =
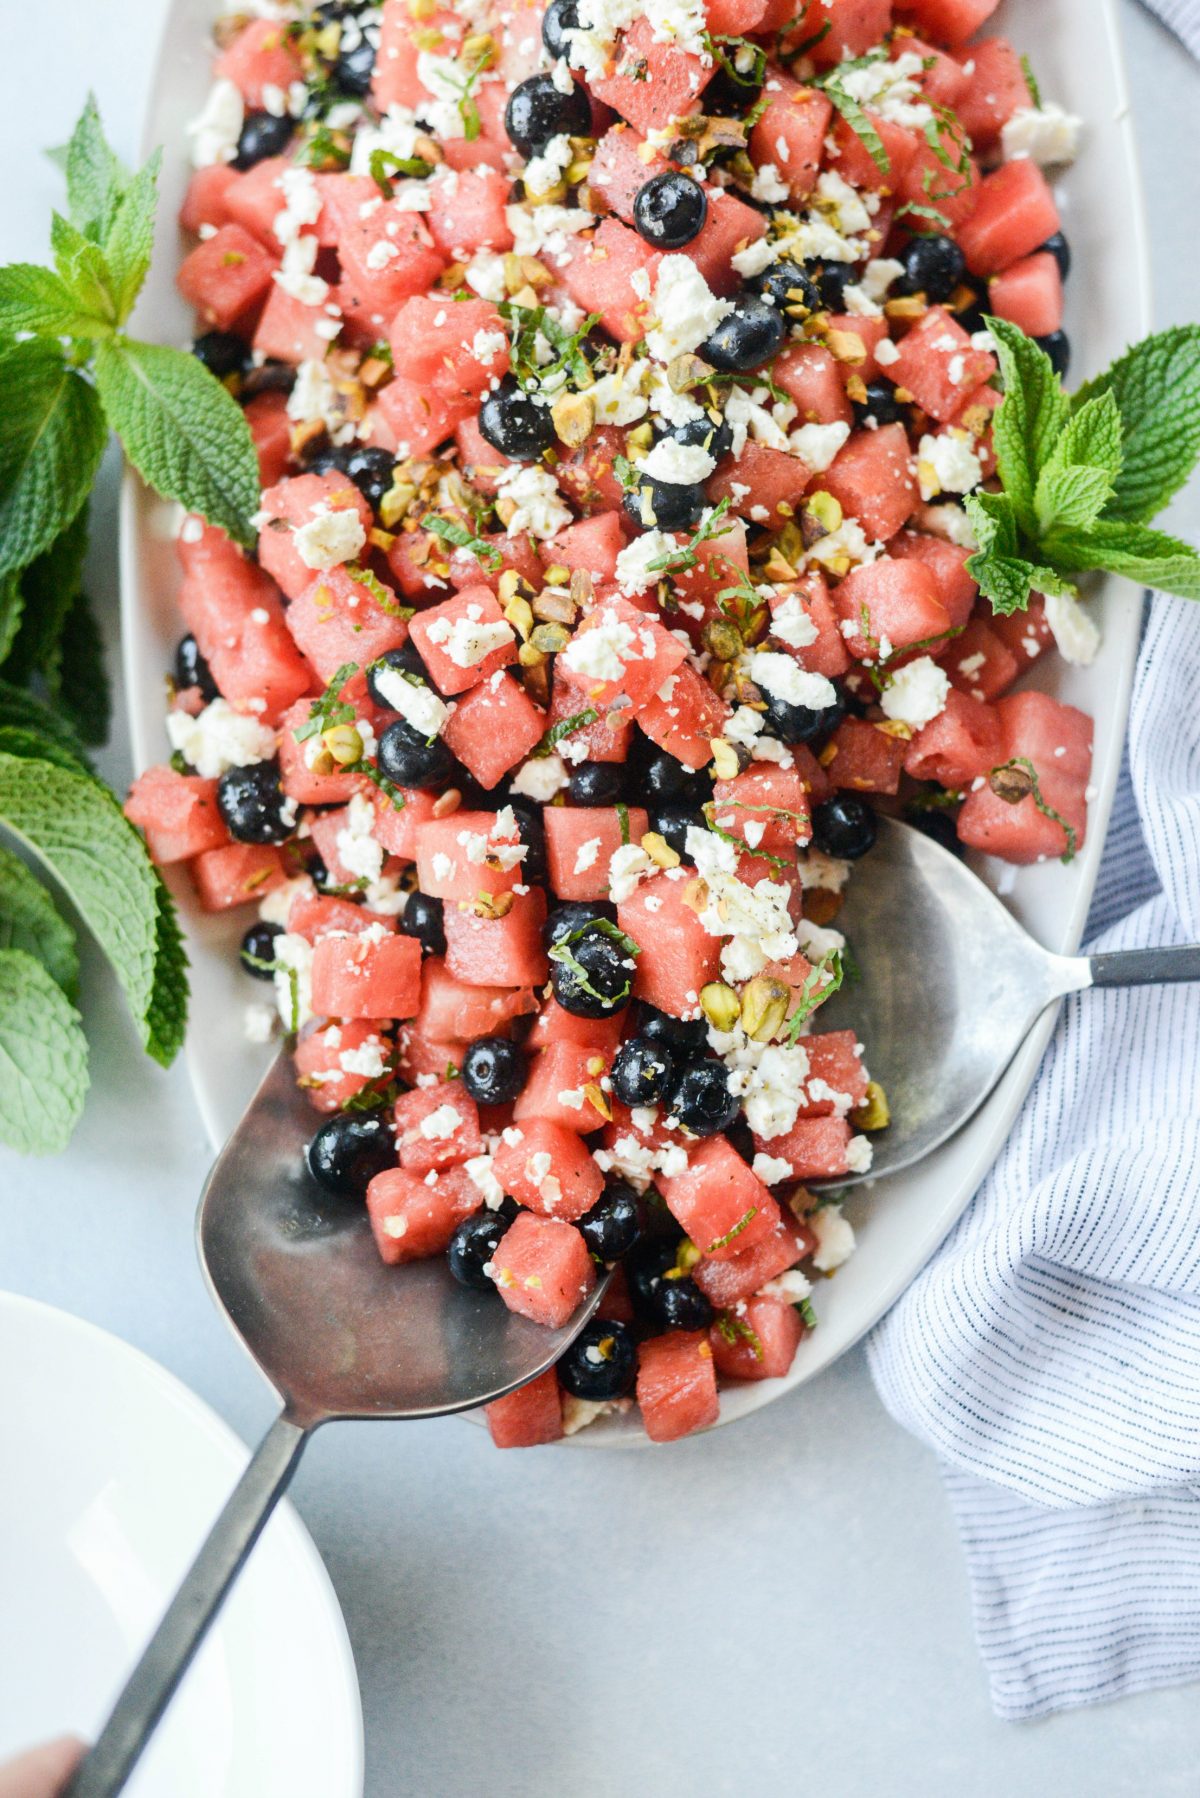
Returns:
<point x="452" y="532"/>
<point x="325" y="712"/>
<point x="565" y="727"/>
<point x="1024" y="766"/>
<point x="721" y="1242"/>
<point x="820" y="983"/>
<point x="383" y="165"/>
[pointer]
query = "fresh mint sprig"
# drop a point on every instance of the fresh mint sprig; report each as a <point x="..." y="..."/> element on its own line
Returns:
<point x="1082" y="475"/>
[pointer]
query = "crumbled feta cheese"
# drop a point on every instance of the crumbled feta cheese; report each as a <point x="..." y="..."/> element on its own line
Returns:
<point x="369" y="1060"/>
<point x="680" y="464"/>
<point x="948" y="463"/>
<point x="1045" y="134"/>
<point x="293" y="979"/>
<point x="916" y="693"/>
<point x="772" y="1170"/>
<point x="887" y="352"/>
<point x="358" y="850"/>
<point x="540" y="778"/>
<point x="634" y="573"/>
<point x="768" y="186"/>
<point x="792" y="625"/>
<point x="601" y="651"/>
<point x="258" y="1023"/>
<point x="218" y="738"/>
<point x="216" y="129"/>
<point x="817" y="445"/>
<point x="1076" y="635"/>
<point x="789" y="1288"/>
<point x="835" y="1237"/>
<point x="539" y="504"/>
<point x="783" y="678"/>
<point x="587" y="855"/>
<point x="578" y="1413"/>
<point x="415" y="700"/>
<point x="626" y="867"/>
<point x="315" y="400"/>
<point x="331" y="536"/>
<point x="479" y="1172"/>
<point x="755" y="257"/>
<point x="542" y="171"/>
<point x="686" y="311"/>
<point x="469" y="638"/>
<point x="441" y="1124"/>
<point x="951" y="523"/>
<point x="545" y="231"/>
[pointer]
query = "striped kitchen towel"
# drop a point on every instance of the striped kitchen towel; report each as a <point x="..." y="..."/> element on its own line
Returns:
<point x="1180" y="16"/>
<point x="1050" y="1351"/>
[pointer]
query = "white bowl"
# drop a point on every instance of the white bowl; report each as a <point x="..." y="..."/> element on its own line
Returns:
<point x="1075" y="51"/>
<point x="113" y="1472"/>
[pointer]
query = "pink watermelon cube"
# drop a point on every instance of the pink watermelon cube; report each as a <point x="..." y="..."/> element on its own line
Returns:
<point x="995" y="88"/>
<point x="386" y="254"/>
<point x="1030" y="294"/>
<point x="855" y="164"/>
<point x="466" y="854"/>
<point x="1056" y="740"/>
<point x="959" y="745"/>
<point x="451" y="1011"/>
<point x="761" y="477"/>
<point x="238" y="874"/>
<point x="555" y="1090"/>
<point x="620" y="650"/>
<point x="543" y="1270"/>
<point x="622" y="165"/>
<point x="765" y="1335"/>
<point x="528" y="1417"/>
<point x="411" y="1220"/>
<point x="338" y="619"/>
<point x="261" y="56"/>
<point x="436" y="1126"/>
<point x="653" y="83"/>
<point x="810" y="375"/>
<point x="271" y="429"/>
<point x="396" y="828"/>
<point x="593" y="543"/>
<point x="318" y="1057"/>
<point x="890" y="605"/>
<point x="395" y="81"/>
<point x="766" y="807"/>
<point x="814" y="1148"/>
<point x="580" y="843"/>
<point x="874" y="481"/>
<point x="837" y="1076"/>
<point x="507" y="951"/>
<point x="686" y="720"/>
<point x="434" y="341"/>
<point x="947" y="562"/>
<point x="290" y="331"/>
<point x="864" y="758"/>
<point x="178" y="813"/>
<point x="791" y="134"/>
<point x="466" y="211"/>
<point x="314" y="915"/>
<point x="295" y="502"/>
<point x="827" y="653"/>
<point x="412" y="420"/>
<point x="464" y="640"/>
<point x="554" y="1025"/>
<point x="943" y="81"/>
<point x="728" y="1281"/>
<point x="493" y="727"/>
<point x="547" y="1167"/>
<point x="255" y="200"/>
<point x="204" y="202"/>
<point x="730" y="226"/>
<point x="980" y="663"/>
<point x="605" y="740"/>
<point x="948" y="21"/>
<point x="367" y="976"/>
<point x="934" y="178"/>
<point x="599" y="276"/>
<point x="937" y="364"/>
<point x="678" y="955"/>
<point x="296" y="777"/>
<point x="721" y="1204"/>
<point x="233" y="610"/>
<point x="1015" y="215"/>
<point x="677" y="1385"/>
<point x="227" y="277"/>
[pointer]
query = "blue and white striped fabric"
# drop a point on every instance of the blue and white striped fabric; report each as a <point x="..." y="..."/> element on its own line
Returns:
<point x="1182" y="17"/>
<point x="1050" y="1352"/>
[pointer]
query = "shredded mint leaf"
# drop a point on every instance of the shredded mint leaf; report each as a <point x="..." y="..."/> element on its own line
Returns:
<point x="183" y="432"/>
<point x="383" y="596"/>
<point x="326" y="711"/>
<point x="565" y="727"/>
<point x="820" y="983"/>
<point x="30" y="921"/>
<point x="1134" y="550"/>
<point x="43" y="1058"/>
<point x="1031" y="81"/>
<point x="50" y="448"/>
<point x="858" y="122"/>
<point x="721" y="1242"/>
<point x="35" y="299"/>
<point x="1022" y="764"/>
<point x="1156" y="387"/>
<point x="452" y="532"/>
<point x="622" y="812"/>
<point x="1029" y="419"/>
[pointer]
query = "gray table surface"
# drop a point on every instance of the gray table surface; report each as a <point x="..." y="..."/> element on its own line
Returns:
<point x="777" y="1607"/>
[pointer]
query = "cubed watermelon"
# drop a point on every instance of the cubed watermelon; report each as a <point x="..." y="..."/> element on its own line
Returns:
<point x="466" y="211"/>
<point x="600" y="277"/>
<point x="827" y="653"/>
<point x="528" y="1417"/>
<point x="554" y="1025"/>
<point x="957" y="746"/>
<point x="412" y="420"/>
<point x="865" y="758"/>
<point x="941" y="79"/>
<point x="947" y="21"/>
<point x="582" y="840"/>
<point x="721" y="1204"/>
<point x="368" y="976"/>
<point x="592" y="544"/>
<point x="505" y="951"/>
<point x="890" y="605"/>
<point x="562" y="1088"/>
<point x="237" y="874"/>
<point x="1030" y="294"/>
<point x="809" y="374"/>
<point x="587" y="476"/>
<point x="466" y="854"/>
<point x="729" y="1280"/>
<point x="873" y="480"/>
<point x="453" y="348"/>
<point x="730" y="226"/>
<point x="937" y="364"/>
<point x="454" y="1012"/>
<point x="679" y="956"/>
<point x="464" y="640"/>
<point x="320" y="1073"/>
<point x="436" y="1126"/>
<point x="759" y="1343"/>
<point x="622" y="165"/>
<point x="653" y="83"/>
<point x="313" y="915"/>
<point x="1056" y="741"/>
<point x="684" y="717"/>
<point x="947" y="562"/>
<point x="542" y="1269"/>
<point x="837" y="1075"/>
<point x="178" y="813"/>
<point x="791" y="133"/>
<point x="856" y="164"/>
<point x="620" y="650"/>
<point x="547" y="1167"/>
<point x="338" y="619"/>
<point x="996" y="87"/>
<point x="395" y="826"/>
<point x="271" y="429"/>
<point x="493" y="727"/>
<point x="204" y="202"/>
<point x="287" y="507"/>
<point x="386" y="253"/>
<point x="411" y="1220"/>
<point x="288" y="330"/>
<point x="677" y="1385"/>
<point x="1015" y="215"/>
<point x="255" y="200"/>
<point x="814" y="1148"/>
<point x="262" y="56"/>
<point x="764" y="483"/>
<point x="604" y="740"/>
<point x="767" y="808"/>
<point x="980" y="663"/>
<point x="227" y="277"/>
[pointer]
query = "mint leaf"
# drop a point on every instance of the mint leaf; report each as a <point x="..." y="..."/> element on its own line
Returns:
<point x="77" y="676"/>
<point x="11" y="607"/>
<point x="33" y="298"/>
<point x="993" y="521"/>
<point x="21" y="711"/>
<point x="1029" y="418"/>
<point x="1093" y="437"/>
<point x="1133" y="550"/>
<point x="76" y="829"/>
<point x="1156" y="387"/>
<point x="1008" y="581"/>
<point x="96" y="177"/>
<point x="183" y="432"/>
<point x="30" y="747"/>
<point x="48" y="589"/>
<point x="82" y="268"/>
<point x="43" y="1058"/>
<point x="166" y="1014"/>
<point x="1071" y="497"/>
<point x="29" y="921"/>
<point x="130" y="242"/>
<point x="50" y="448"/>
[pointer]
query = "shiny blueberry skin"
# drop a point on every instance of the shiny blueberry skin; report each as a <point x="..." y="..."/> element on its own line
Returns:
<point x="575" y="914"/>
<point x="603" y="963"/>
<point x="641" y="1070"/>
<point x="191" y="669"/>
<point x="252" y="802"/>
<point x="799" y="723"/>
<point x="596" y="783"/>
<point x="747" y="337"/>
<point x="613" y="1224"/>
<point x="532" y="832"/>
<point x="222" y="353"/>
<point x="845" y="827"/>
<point x="494" y="1070"/>
<point x="424" y="918"/>
<point x="670" y="209"/>
<point x="258" y="946"/>
<point x="727" y="97"/>
<point x="710" y="433"/>
<point x="559" y="17"/>
<point x="405" y="661"/>
<point x="939" y="826"/>
<point x="1060" y="249"/>
<point x="672" y="822"/>
<point x="1058" y="347"/>
<point x="347" y="1152"/>
<point x="661" y="505"/>
<point x="685" y="1037"/>
<point x="601" y="1363"/>
<point x="933" y="266"/>
<point x="473" y="1245"/>
<point x="681" y="1305"/>
<point x="790" y="288"/>
<point x="262" y="135"/>
<point x="512" y="424"/>
<point x="881" y="407"/>
<point x="666" y="778"/>
<point x="372" y="470"/>
<point x="537" y="111"/>
<point x="644" y="1270"/>
<point x="832" y="283"/>
<point x="700" y="1098"/>
<point x="411" y="760"/>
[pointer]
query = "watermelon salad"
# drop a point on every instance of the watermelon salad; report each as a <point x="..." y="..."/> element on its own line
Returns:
<point x="616" y="374"/>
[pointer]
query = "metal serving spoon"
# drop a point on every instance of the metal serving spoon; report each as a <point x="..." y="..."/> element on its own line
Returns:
<point x="951" y="986"/>
<point x="339" y="1335"/>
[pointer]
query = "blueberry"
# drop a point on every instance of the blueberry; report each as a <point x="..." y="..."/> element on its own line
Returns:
<point x="670" y="209"/>
<point x="537" y="111"/>
<point x="1060" y="249"/>
<point x="601" y="1363"/>
<point x="664" y="506"/>
<point x="494" y="1070"/>
<point x="347" y="1152"/>
<point x="473" y="1245"/>
<point x="1058" y="347"/>
<point x="424" y="918"/>
<point x="641" y="1070"/>
<point x="373" y="471"/>
<point x="727" y="95"/>
<point x="262" y="135"/>
<point x="790" y="288"/>
<point x="534" y="869"/>
<point x="403" y="661"/>
<point x="327" y="458"/>
<point x="672" y="822"/>
<point x="685" y="1037"/>
<point x="832" y="283"/>
<point x="595" y="783"/>
<point x="665" y="778"/>
<point x="577" y="914"/>
<point x="258" y="949"/>
<point x="644" y="1270"/>
<point x="191" y="669"/>
<point x="222" y="353"/>
<point x="411" y="760"/>
<point x="614" y="1223"/>
<point x="513" y="424"/>
<point x="844" y="827"/>
<point x="355" y="60"/>
<point x="559" y="17"/>
<point x="746" y="337"/>
<point x="710" y="433"/>
<point x="254" y="805"/>
<point x="881" y="407"/>
<point x="700" y="1098"/>
<point x="681" y="1305"/>
<point x="933" y="266"/>
<point x="597" y="981"/>
<point x="800" y="723"/>
<point x="937" y="825"/>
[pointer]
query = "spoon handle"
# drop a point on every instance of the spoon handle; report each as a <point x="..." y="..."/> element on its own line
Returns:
<point x="166" y="1658"/>
<point x="1147" y="967"/>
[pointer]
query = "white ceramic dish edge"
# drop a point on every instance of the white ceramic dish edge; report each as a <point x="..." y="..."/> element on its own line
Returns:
<point x="1077" y="52"/>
